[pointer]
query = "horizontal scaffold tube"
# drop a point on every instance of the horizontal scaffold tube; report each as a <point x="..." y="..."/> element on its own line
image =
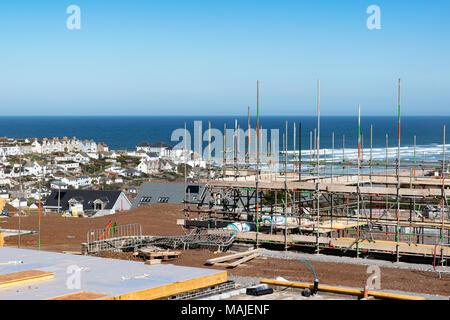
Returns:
<point x="351" y="291"/>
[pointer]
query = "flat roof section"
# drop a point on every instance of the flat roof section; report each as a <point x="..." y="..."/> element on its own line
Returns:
<point x="100" y="278"/>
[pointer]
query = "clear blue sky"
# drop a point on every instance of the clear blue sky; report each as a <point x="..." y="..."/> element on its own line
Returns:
<point x="204" y="57"/>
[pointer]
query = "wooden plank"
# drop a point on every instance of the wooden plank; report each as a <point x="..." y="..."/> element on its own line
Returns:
<point x="24" y="277"/>
<point x="173" y="288"/>
<point x="164" y="253"/>
<point x="280" y="238"/>
<point x="389" y="246"/>
<point x="81" y="295"/>
<point x="232" y="256"/>
<point x="72" y="252"/>
<point x="153" y="261"/>
<point x="330" y="187"/>
<point x="242" y="260"/>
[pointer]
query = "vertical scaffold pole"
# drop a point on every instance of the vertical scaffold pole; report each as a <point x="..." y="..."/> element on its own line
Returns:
<point x="209" y="149"/>
<point x="299" y="151"/>
<point x="318" y="169"/>
<point x="224" y="149"/>
<point x="185" y="174"/>
<point x="414" y="156"/>
<point x="248" y="139"/>
<point x="357" y="189"/>
<point x="398" y="177"/>
<point x="371" y="129"/>
<point x="294" y="168"/>
<point x="300" y="162"/>
<point x="443" y="199"/>
<point x="332" y="167"/>
<point x="332" y="156"/>
<point x="257" y="163"/>
<point x="387" y="146"/>
<point x="343" y="154"/>
<point x="285" y="187"/>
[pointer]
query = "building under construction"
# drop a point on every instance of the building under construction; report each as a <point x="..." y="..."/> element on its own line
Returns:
<point x="319" y="202"/>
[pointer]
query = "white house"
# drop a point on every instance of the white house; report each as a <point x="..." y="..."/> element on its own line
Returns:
<point x="69" y="166"/>
<point x="64" y="158"/>
<point x="19" y="203"/>
<point x="33" y="206"/>
<point x="131" y="173"/>
<point x="92" y="155"/>
<point x="175" y="152"/>
<point x="148" y="167"/>
<point x="87" y="202"/>
<point x="77" y="182"/>
<point x="9" y="151"/>
<point x="116" y="170"/>
<point x="35" y="169"/>
<point x="166" y="165"/>
<point x="5" y="181"/>
<point x="57" y="184"/>
<point x="160" y="148"/>
<point x="4" y="195"/>
<point x="114" y="155"/>
<point x="143" y="146"/>
<point x="88" y="146"/>
<point x="83" y="181"/>
<point x="82" y="158"/>
<point x="46" y="146"/>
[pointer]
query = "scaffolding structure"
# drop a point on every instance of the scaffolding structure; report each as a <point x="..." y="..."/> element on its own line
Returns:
<point x="325" y="201"/>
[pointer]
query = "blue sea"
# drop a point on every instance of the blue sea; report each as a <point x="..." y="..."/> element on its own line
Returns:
<point x="126" y="132"/>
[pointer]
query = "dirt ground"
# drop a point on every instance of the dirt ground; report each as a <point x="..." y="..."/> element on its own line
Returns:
<point x="67" y="234"/>
<point x="339" y="274"/>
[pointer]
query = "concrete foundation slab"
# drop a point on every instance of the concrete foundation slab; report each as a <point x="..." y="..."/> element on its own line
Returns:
<point x="105" y="278"/>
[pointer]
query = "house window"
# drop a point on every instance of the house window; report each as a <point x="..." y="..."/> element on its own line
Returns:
<point x="163" y="199"/>
<point x="192" y="189"/>
<point x="97" y="206"/>
<point x="146" y="199"/>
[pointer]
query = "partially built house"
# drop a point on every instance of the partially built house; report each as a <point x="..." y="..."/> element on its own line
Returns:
<point x="309" y="199"/>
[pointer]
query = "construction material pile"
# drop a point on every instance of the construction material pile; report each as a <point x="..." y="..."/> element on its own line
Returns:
<point x="197" y="238"/>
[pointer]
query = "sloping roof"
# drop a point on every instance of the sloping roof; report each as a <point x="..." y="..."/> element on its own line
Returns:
<point x="153" y="155"/>
<point x="160" y="145"/>
<point x="88" y="197"/>
<point x="144" y="144"/>
<point x="154" y="192"/>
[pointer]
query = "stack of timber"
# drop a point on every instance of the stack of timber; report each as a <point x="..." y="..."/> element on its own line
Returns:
<point x="239" y="258"/>
<point x="155" y="256"/>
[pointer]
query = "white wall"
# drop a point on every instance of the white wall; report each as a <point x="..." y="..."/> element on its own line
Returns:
<point x="126" y="203"/>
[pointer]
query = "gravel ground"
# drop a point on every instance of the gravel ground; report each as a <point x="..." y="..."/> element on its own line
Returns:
<point x="358" y="261"/>
<point x="244" y="281"/>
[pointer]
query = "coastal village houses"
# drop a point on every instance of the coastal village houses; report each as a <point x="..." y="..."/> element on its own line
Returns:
<point x="87" y="202"/>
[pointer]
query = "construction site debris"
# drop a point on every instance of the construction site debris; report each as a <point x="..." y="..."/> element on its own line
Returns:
<point x="241" y="258"/>
<point x="150" y="254"/>
<point x="195" y="239"/>
<point x="259" y="290"/>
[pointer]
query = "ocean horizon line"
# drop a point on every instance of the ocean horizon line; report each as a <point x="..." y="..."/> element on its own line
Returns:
<point x="218" y="116"/>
